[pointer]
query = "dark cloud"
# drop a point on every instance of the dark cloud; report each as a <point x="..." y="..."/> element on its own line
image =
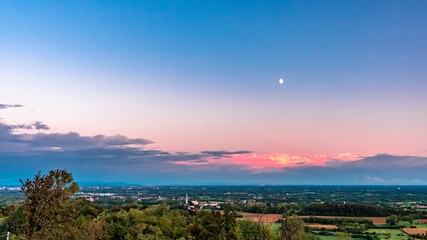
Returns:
<point x="4" y="106"/>
<point x="386" y="161"/>
<point x="40" y="126"/>
<point x="118" y="153"/>
<point x="224" y="153"/>
<point x="124" y="159"/>
<point x="73" y="140"/>
<point x="22" y="126"/>
<point x="63" y="141"/>
<point x="36" y="125"/>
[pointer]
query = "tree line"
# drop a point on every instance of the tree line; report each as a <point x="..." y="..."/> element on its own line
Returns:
<point x="326" y="209"/>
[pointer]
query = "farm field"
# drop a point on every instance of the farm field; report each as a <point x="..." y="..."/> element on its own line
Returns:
<point x="421" y="225"/>
<point x="395" y="234"/>
<point x="319" y="226"/>
<point x="405" y="224"/>
<point x="333" y="237"/>
<point x="276" y="227"/>
<point x="415" y="231"/>
<point x="330" y="237"/>
<point x="259" y="217"/>
<point x="416" y="223"/>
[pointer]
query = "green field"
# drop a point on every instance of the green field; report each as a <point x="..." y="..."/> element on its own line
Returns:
<point x="421" y="225"/>
<point x="332" y="237"/>
<point x="395" y="234"/>
<point x="405" y="223"/>
<point x="326" y="237"/>
<point x="322" y="237"/>
<point x="416" y="223"/>
<point x="276" y="227"/>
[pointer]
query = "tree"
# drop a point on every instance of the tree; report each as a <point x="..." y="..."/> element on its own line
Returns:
<point x="411" y="220"/>
<point x="207" y="225"/>
<point x="115" y="231"/>
<point x="264" y="230"/>
<point x="393" y="220"/>
<point x="2" y="211"/>
<point x="15" y="219"/>
<point x="48" y="211"/>
<point x="230" y="224"/>
<point x="292" y="228"/>
<point x="343" y="236"/>
<point x="249" y="229"/>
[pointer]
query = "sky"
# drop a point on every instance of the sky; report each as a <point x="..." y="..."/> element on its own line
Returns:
<point x="187" y="92"/>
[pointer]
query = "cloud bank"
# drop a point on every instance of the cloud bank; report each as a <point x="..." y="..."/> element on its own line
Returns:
<point x="273" y="160"/>
<point x="134" y="160"/>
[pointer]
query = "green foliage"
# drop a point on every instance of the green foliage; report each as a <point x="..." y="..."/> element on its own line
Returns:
<point x="393" y="220"/>
<point x="115" y="231"/>
<point x="15" y="220"/>
<point x="343" y="236"/>
<point x="48" y="211"/>
<point x="349" y="209"/>
<point x="293" y="229"/>
<point x="338" y="221"/>
<point x="249" y="229"/>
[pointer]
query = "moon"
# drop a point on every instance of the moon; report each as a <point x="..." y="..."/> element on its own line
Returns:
<point x="281" y="81"/>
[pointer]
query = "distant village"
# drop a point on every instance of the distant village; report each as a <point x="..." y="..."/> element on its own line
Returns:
<point x="186" y="200"/>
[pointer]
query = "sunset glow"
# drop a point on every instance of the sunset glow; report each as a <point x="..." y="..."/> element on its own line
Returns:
<point x="276" y="160"/>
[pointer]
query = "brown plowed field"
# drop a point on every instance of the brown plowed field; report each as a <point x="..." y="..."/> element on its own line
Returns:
<point x="415" y="231"/>
<point x="258" y="217"/>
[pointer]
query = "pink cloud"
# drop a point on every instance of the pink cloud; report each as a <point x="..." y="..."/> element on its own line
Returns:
<point x="275" y="160"/>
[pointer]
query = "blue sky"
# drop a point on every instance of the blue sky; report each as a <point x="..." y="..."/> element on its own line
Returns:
<point x="198" y="76"/>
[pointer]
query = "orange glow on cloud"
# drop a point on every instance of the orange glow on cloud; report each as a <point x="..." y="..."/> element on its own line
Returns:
<point x="275" y="160"/>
